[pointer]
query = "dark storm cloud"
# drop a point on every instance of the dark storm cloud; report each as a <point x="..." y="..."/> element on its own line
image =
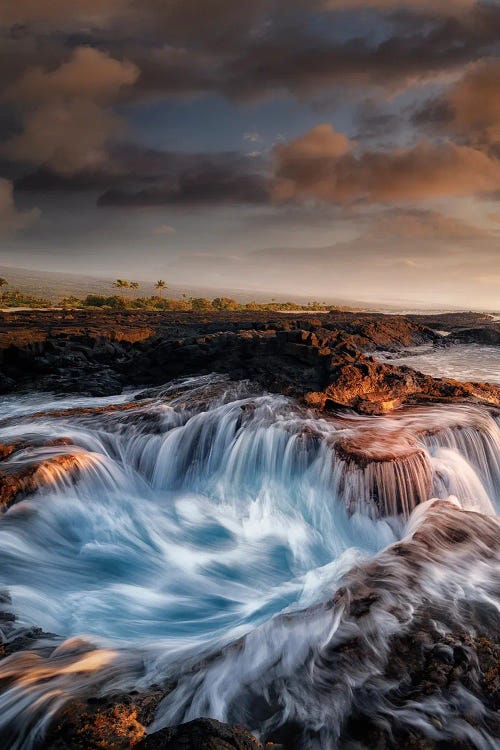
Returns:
<point x="297" y="48"/>
<point x="69" y="65"/>
<point x="209" y="185"/>
<point x="135" y="176"/>
<point x="253" y="47"/>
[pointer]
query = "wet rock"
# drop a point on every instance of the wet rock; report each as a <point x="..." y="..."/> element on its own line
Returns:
<point x="489" y="336"/>
<point x="16" y="484"/>
<point x="201" y="734"/>
<point x="79" y="727"/>
<point x="372" y="387"/>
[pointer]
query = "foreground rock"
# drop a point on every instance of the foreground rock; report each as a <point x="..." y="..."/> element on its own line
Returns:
<point x="119" y="727"/>
<point x="446" y="657"/>
<point x="20" y="478"/>
<point x="201" y="734"/>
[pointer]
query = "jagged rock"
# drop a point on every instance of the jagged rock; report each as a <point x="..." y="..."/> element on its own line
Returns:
<point x="372" y="387"/>
<point x="201" y="734"/>
<point x="488" y="335"/>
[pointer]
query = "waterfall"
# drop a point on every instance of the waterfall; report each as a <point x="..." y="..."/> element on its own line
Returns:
<point x="210" y="520"/>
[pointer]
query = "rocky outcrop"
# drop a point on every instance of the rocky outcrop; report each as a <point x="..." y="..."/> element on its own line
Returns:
<point x="325" y="360"/>
<point x="489" y="336"/>
<point x="451" y="321"/>
<point x="19" y="480"/>
<point x="372" y="387"/>
<point x="98" y="353"/>
<point x="443" y="654"/>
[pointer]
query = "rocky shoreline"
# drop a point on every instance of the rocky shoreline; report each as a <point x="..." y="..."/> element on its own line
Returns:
<point x="327" y="360"/>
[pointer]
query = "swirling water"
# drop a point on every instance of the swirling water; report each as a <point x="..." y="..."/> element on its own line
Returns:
<point x="205" y="515"/>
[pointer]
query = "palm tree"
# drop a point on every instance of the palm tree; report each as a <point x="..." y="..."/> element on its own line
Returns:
<point x="3" y="282"/>
<point x="160" y="286"/>
<point x="134" y="285"/>
<point x="121" y="284"/>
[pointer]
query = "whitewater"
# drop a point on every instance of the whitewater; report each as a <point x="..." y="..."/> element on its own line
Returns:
<point x="207" y="537"/>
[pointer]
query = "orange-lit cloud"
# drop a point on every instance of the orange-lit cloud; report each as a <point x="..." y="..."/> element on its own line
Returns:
<point x="475" y="101"/>
<point x="309" y="167"/>
<point x="59" y="11"/>
<point x="68" y="137"/>
<point x="88" y="74"/>
<point x="67" y="122"/>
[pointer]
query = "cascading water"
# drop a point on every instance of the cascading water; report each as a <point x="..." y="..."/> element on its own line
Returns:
<point x="207" y="520"/>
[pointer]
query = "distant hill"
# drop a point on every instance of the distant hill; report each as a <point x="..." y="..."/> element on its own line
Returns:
<point x="54" y="286"/>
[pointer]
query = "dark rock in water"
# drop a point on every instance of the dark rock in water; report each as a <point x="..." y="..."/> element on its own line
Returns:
<point x="489" y="336"/>
<point x="7" y="385"/>
<point x="82" y="727"/>
<point x="117" y="723"/>
<point x="451" y="321"/>
<point x="443" y="655"/>
<point x="16" y="484"/>
<point x="201" y="734"/>
<point x="428" y="663"/>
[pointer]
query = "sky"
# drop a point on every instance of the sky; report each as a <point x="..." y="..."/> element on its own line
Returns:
<point x="322" y="148"/>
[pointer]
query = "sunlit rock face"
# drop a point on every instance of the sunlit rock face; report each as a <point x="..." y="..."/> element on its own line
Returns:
<point x="208" y="549"/>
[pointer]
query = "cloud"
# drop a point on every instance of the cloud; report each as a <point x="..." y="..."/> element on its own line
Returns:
<point x="11" y="219"/>
<point x="400" y="255"/>
<point x="438" y="7"/>
<point x="250" y="49"/>
<point x="470" y="108"/>
<point x="132" y="175"/>
<point x="196" y="180"/>
<point x="60" y="12"/>
<point x="312" y="166"/>
<point x="87" y="57"/>
<point x="163" y="230"/>
<point x="196" y="190"/>
<point x="420" y="225"/>
<point x="67" y="123"/>
<point x="411" y="238"/>
<point x="88" y="74"/>
<point x="67" y="137"/>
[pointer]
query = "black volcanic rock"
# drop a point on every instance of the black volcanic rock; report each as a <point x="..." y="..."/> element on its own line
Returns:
<point x="324" y="359"/>
<point x="489" y="335"/>
<point x="201" y="734"/>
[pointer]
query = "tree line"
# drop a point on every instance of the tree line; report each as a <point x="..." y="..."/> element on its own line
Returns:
<point x="122" y="300"/>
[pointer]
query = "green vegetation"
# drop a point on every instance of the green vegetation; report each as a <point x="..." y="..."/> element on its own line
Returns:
<point x="197" y="304"/>
<point x="15" y="298"/>
<point x="121" y="301"/>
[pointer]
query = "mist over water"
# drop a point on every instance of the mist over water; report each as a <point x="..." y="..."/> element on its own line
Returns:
<point x="210" y="514"/>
